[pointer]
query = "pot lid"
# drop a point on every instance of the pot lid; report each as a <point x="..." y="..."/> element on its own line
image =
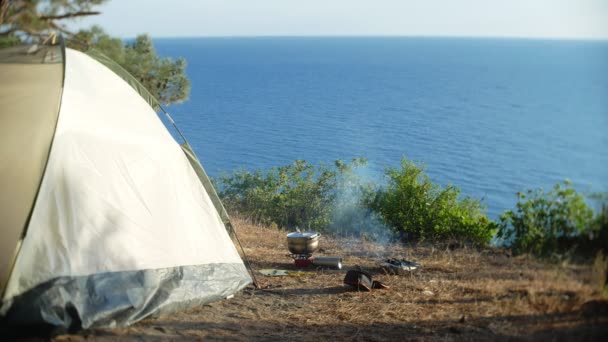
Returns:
<point x="308" y="235"/>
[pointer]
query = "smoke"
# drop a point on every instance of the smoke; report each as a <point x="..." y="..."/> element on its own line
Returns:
<point x="350" y="216"/>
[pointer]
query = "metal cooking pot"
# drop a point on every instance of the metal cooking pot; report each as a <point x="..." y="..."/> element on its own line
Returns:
<point x="303" y="243"/>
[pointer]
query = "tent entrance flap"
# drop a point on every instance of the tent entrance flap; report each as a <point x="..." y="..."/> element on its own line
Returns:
<point x="28" y="117"/>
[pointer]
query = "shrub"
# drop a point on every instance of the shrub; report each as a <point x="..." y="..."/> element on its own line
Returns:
<point x="599" y="273"/>
<point x="295" y="195"/>
<point x="598" y="234"/>
<point x="416" y="208"/>
<point x="558" y="221"/>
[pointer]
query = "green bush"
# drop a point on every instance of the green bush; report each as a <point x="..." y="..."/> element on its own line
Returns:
<point x="296" y="195"/>
<point x="558" y="221"/>
<point x="415" y="207"/>
<point x="599" y="226"/>
<point x="335" y="198"/>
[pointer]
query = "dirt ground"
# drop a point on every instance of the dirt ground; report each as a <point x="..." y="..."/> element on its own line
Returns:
<point x="458" y="294"/>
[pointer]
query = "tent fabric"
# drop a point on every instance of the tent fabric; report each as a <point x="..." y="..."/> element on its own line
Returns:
<point x="29" y="107"/>
<point x="122" y="298"/>
<point x="126" y="76"/>
<point x="148" y="97"/>
<point x="206" y="181"/>
<point x="122" y="226"/>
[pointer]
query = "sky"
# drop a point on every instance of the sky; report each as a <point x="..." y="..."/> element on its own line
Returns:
<point x="571" y="19"/>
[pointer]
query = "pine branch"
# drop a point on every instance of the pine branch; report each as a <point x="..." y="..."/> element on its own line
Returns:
<point x="61" y="29"/>
<point x="3" y="10"/>
<point x="68" y="15"/>
<point x="18" y="8"/>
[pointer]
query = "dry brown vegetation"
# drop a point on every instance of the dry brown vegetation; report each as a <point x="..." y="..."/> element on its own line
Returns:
<point x="459" y="294"/>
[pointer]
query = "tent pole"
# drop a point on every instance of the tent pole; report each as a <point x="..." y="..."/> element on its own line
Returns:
<point x="229" y="224"/>
<point x="173" y="123"/>
<point x="247" y="263"/>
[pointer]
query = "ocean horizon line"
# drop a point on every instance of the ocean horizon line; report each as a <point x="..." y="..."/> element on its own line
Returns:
<point x="455" y="37"/>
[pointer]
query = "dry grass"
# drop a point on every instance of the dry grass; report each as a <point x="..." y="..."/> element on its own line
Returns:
<point x="461" y="294"/>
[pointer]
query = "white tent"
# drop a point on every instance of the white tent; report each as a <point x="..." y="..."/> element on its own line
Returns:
<point x="106" y="221"/>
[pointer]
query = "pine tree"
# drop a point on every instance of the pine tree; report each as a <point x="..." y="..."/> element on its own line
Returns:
<point x="37" y="21"/>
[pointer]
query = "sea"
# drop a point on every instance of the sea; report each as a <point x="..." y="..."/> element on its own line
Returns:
<point x="490" y="116"/>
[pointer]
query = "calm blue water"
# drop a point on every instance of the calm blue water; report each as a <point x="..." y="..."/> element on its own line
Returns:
<point x="491" y="116"/>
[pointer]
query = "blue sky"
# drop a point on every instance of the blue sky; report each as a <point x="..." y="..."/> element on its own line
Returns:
<point x="587" y="19"/>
